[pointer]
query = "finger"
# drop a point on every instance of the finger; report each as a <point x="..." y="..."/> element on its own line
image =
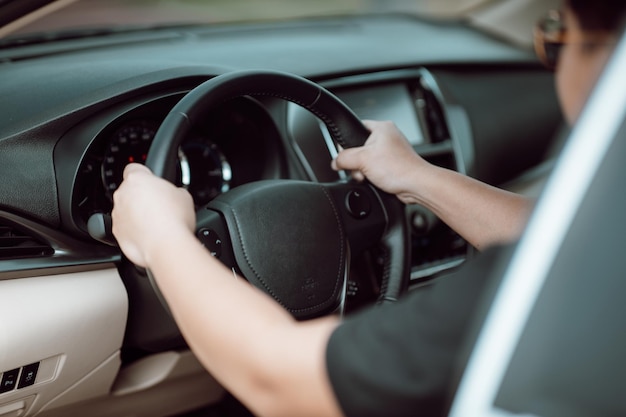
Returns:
<point x="374" y="124"/>
<point x="370" y="124"/>
<point x="347" y="159"/>
<point x="135" y="167"/>
<point x="357" y="176"/>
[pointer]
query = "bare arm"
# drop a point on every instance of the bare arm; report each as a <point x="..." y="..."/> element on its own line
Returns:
<point x="482" y="214"/>
<point x="273" y="364"/>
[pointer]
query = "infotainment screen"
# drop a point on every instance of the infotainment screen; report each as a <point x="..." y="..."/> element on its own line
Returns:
<point x="386" y="102"/>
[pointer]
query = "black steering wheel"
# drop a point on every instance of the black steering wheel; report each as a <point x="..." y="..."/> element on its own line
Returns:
<point x="292" y="239"/>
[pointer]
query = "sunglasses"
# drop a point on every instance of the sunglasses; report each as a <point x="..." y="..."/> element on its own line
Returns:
<point x="550" y="35"/>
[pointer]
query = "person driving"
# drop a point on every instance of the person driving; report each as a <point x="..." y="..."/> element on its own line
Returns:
<point x="393" y="360"/>
<point x="482" y="214"/>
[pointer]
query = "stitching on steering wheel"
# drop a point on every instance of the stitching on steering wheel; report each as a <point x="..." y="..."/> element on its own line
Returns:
<point x="258" y="276"/>
<point x="335" y="132"/>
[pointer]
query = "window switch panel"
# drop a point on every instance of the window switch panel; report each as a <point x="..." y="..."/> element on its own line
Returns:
<point x="28" y="376"/>
<point x="9" y="380"/>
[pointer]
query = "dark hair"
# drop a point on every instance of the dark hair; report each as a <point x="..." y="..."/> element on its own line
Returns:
<point x="608" y="15"/>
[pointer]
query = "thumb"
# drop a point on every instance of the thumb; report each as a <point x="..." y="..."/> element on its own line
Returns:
<point x="135" y="167"/>
<point x="348" y="159"/>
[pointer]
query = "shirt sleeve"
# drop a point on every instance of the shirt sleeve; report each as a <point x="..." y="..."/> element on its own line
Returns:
<point x="400" y="359"/>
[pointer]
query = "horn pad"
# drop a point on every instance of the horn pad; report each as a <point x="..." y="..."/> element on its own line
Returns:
<point x="289" y="241"/>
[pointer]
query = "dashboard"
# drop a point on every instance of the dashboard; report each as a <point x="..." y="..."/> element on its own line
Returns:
<point x="450" y="115"/>
<point x="250" y="139"/>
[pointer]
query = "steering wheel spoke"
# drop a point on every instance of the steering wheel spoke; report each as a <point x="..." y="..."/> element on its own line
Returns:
<point x="363" y="214"/>
<point x="213" y="233"/>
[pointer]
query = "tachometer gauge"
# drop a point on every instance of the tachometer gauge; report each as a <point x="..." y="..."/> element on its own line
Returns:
<point x="129" y="144"/>
<point x="205" y="172"/>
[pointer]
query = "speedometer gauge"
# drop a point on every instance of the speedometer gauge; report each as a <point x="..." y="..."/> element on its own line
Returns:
<point x="203" y="170"/>
<point x="129" y="144"/>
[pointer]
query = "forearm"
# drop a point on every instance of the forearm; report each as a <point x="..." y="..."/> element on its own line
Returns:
<point x="484" y="215"/>
<point x="244" y="338"/>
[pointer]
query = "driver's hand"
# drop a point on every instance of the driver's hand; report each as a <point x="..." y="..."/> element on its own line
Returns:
<point x="386" y="159"/>
<point x="148" y="210"/>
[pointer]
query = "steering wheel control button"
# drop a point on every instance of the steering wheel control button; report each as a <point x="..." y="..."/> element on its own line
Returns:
<point x="9" y="380"/>
<point x="28" y="376"/>
<point x="211" y="240"/>
<point x="358" y="204"/>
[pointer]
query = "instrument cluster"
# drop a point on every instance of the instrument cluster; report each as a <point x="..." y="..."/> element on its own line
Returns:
<point x="202" y="167"/>
<point x="235" y="144"/>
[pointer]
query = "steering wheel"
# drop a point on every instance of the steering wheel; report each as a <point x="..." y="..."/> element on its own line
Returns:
<point x="292" y="239"/>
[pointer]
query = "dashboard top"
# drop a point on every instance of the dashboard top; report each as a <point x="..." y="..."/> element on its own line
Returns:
<point x="50" y="80"/>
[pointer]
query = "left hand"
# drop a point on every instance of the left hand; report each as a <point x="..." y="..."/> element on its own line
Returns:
<point x="149" y="211"/>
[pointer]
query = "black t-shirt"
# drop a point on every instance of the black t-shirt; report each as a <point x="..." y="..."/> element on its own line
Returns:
<point x="401" y="359"/>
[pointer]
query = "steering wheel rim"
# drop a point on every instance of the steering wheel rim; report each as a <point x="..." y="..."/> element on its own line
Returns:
<point x="343" y="125"/>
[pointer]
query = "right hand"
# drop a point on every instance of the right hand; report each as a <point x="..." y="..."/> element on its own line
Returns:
<point x="386" y="159"/>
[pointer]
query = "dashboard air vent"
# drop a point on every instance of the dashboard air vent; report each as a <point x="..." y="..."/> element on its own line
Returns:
<point x="431" y="113"/>
<point x="16" y="244"/>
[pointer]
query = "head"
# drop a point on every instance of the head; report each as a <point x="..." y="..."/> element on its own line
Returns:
<point x="580" y="39"/>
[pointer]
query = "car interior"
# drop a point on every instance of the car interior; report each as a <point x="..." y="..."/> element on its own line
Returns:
<point x="85" y="332"/>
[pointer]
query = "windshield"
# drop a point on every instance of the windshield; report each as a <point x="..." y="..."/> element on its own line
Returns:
<point x="85" y="14"/>
<point x="507" y="20"/>
<point x="88" y="14"/>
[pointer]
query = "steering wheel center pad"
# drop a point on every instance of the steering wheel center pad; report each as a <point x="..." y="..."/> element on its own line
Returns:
<point x="288" y="239"/>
